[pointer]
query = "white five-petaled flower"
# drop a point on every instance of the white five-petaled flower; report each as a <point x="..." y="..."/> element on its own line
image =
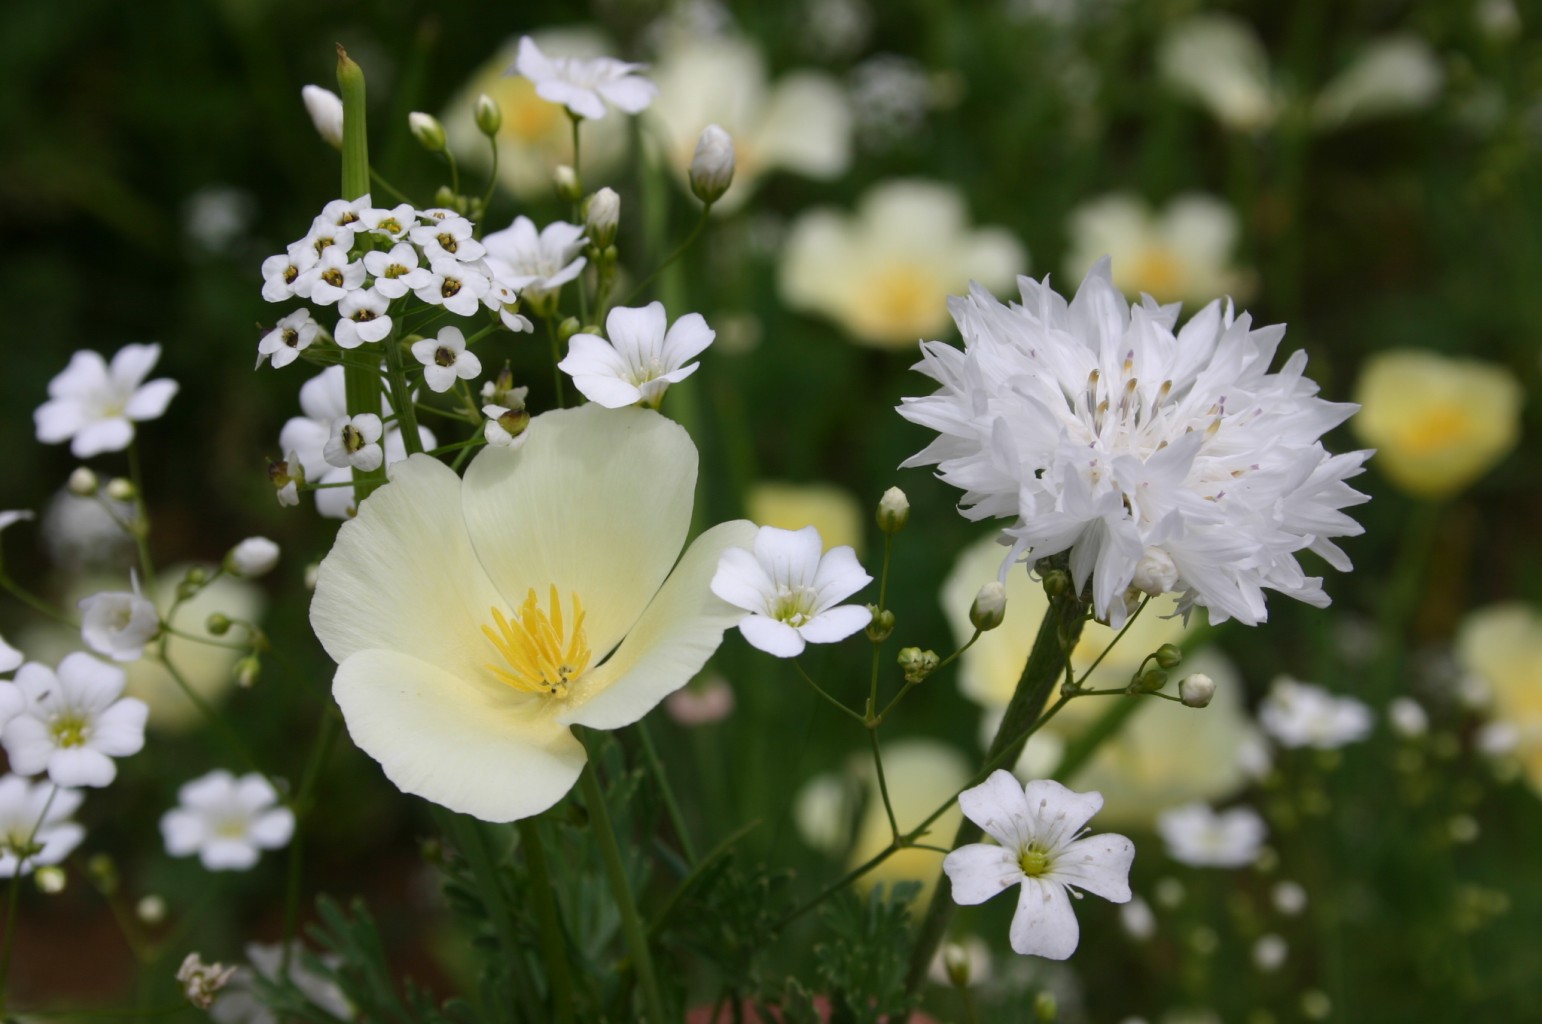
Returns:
<point x="451" y="238"/>
<point x="94" y="406"/>
<point x="333" y="275"/>
<point x="792" y="591"/>
<point x="1297" y="714"/>
<point x="640" y="360"/>
<point x="535" y="263"/>
<point x="292" y="335"/>
<point x="72" y="722"/>
<point x="1040" y="828"/>
<point x="119" y="623"/>
<point x="584" y="86"/>
<point x="446" y="360"/>
<point x="227" y="821"/>
<point x="34" y="825"/>
<point x="355" y="442"/>
<point x="364" y="318"/>
<point x="1104" y="432"/>
<point x="1200" y="837"/>
<point x="282" y="274"/>
<point x="396" y="271"/>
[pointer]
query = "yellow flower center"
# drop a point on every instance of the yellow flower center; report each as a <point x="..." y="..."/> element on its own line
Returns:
<point x="902" y="302"/>
<point x="1033" y="861"/>
<point x="1436" y="428"/>
<point x="69" y="731"/>
<point x="1159" y="273"/>
<point x="541" y="655"/>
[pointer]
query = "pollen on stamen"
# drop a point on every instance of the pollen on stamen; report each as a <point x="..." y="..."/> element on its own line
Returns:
<point x="541" y="656"/>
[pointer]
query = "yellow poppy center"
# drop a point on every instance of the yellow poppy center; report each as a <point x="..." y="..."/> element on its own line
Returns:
<point x="541" y="655"/>
<point x="1437" y="428"/>
<point x="1158" y="273"/>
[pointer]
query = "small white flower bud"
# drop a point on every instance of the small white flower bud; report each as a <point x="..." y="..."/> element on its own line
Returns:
<point x="120" y="489"/>
<point x="893" y="511"/>
<point x="1408" y="718"/>
<point x="990" y="606"/>
<point x="488" y="116"/>
<point x="955" y="960"/>
<point x="253" y="557"/>
<point x="712" y="166"/>
<point x="427" y="130"/>
<point x="326" y="110"/>
<point x="312" y="573"/>
<point x="602" y="217"/>
<point x="247" y="671"/>
<point x="565" y="180"/>
<point x="50" y="879"/>
<point x="1196" y="690"/>
<point x="83" y="483"/>
<point x="150" y="909"/>
<point x="1156" y="574"/>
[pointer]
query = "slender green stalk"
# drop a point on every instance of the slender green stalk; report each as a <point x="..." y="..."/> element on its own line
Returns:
<point x="553" y="943"/>
<point x="621" y="889"/>
<point x="556" y="357"/>
<point x="666" y="791"/>
<point x="492" y="185"/>
<point x="1117" y="637"/>
<point x="299" y="806"/>
<point x="401" y="396"/>
<point x="36" y="603"/>
<point x="226" y="734"/>
<point x="9" y="944"/>
<point x="825" y="693"/>
<point x="883" y="784"/>
<point x="679" y="251"/>
<point x="140" y="527"/>
<point x="713" y="856"/>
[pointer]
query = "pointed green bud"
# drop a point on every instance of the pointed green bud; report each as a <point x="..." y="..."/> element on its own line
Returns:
<point x="565" y="180"/>
<point x="1150" y="681"/>
<point x="570" y="326"/>
<point x="1057" y="583"/>
<point x="602" y="215"/>
<point x="217" y="624"/>
<point x="882" y="624"/>
<point x="917" y="664"/>
<point x="487" y="115"/>
<point x="1169" y="656"/>
<point x="712" y="165"/>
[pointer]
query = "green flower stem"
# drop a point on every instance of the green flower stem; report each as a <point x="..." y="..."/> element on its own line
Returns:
<point x="666" y="791"/>
<point x="706" y="210"/>
<point x="872" y="693"/>
<point x="1117" y="637"/>
<point x="826" y="694"/>
<point x="883" y="784"/>
<point x="621" y="890"/>
<point x="492" y="185"/>
<point x="8" y="946"/>
<point x="401" y="397"/>
<point x="222" y="728"/>
<point x="553" y="942"/>
<point x="1403" y="595"/>
<point x="1058" y="633"/>
<point x="470" y="839"/>
<point x="386" y="186"/>
<point x="299" y="806"/>
<point x="714" y="855"/>
<point x="36" y="603"/>
<point x="556" y="357"/>
<point x="139" y="529"/>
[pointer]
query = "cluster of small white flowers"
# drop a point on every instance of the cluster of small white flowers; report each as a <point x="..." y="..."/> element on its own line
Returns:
<point x="1162" y="459"/>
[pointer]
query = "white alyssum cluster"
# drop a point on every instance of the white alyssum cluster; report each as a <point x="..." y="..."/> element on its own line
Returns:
<point x="792" y="589"/>
<point x="94" y="404"/>
<point x="1161" y="459"/>
<point x="640" y="360"/>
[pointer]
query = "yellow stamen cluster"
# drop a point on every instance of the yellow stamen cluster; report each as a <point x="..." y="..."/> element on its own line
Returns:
<point x="541" y="655"/>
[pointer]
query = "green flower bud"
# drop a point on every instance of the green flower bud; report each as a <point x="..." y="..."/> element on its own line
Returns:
<point x="602" y="216"/>
<point x="1045" y="1009"/>
<point x="487" y="115"/>
<point x="1057" y="583"/>
<point x="1150" y="681"/>
<point x="1169" y="656"/>
<point x="955" y="961"/>
<point x="120" y="489"/>
<point x="427" y="130"/>
<point x="712" y="166"/>
<point x="917" y="664"/>
<point x="570" y="326"/>
<point x="565" y="180"/>
<point x="83" y="483"/>
<point x="247" y="670"/>
<point x="882" y="624"/>
<point x="50" y="879"/>
<point x="217" y="624"/>
<point x="150" y="909"/>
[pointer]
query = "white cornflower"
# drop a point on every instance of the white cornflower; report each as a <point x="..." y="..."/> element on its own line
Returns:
<point x="283" y="273"/>
<point x="253" y="557"/>
<point x="94" y="406"/>
<point x="73" y="723"/>
<point x="1200" y="837"/>
<point x="292" y="335"/>
<point x="535" y="263"/>
<point x="118" y="623"/>
<point x="332" y="275"/>
<point x="1106" y="433"/>
<point x="34" y="825"/>
<point x="354" y="442"/>
<point x="792" y="590"/>
<point x="396" y="272"/>
<point x="640" y="360"/>
<point x="584" y="86"/>
<point x="1299" y="714"/>
<point x="458" y="287"/>
<point x="364" y="318"/>
<point x="326" y="110"/>
<point x="451" y="238"/>
<point x="227" y="821"/>
<point x="446" y="360"/>
<point x="1040" y="830"/>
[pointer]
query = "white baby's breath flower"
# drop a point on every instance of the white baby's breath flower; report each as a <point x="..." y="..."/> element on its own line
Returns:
<point x="73" y="723"/>
<point x="354" y="442"/>
<point x="35" y="829"/>
<point x="227" y="821"/>
<point x="1299" y="714"/>
<point x="253" y="557"/>
<point x="94" y="405"/>
<point x="201" y="982"/>
<point x="326" y="110"/>
<point x="584" y="86"/>
<point x="792" y="589"/>
<point x="446" y="360"/>
<point x="292" y="335"/>
<point x="640" y="360"/>
<point x="1182" y="254"/>
<point x="118" y="623"/>
<point x="1106" y="433"/>
<point x="1042" y="848"/>
<point x="1200" y="837"/>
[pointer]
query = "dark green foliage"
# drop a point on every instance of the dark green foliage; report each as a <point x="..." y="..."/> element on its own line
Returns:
<point x="863" y="961"/>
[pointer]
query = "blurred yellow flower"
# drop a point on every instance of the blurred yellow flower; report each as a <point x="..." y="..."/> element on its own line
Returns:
<point x="886" y="274"/>
<point x="1502" y="644"/>
<point x="535" y="136"/>
<point x="831" y="509"/>
<point x="1165" y="756"/>
<point x="1183" y="254"/>
<point x="1438" y="424"/>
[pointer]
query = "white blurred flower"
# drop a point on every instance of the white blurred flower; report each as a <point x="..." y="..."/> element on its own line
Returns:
<point x="1137" y="919"/>
<point x="792" y="588"/>
<point x="712" y="164"/>
<point x="1408" y="717"/>
<point x="226" y="821"/>
<point x="885" y="275"/>
<point x="1299" y="714"/>
<point x="292" y="335"/>
<point x="829" y="508"/>
<point x="1395" y="74"/>
<point x="446" y="360"/>
<point x="74" y="721"/>
<point x="1269" y="952"/>
<point x="1200" y="837"/>
<point x="584" y="86"/>
<point x="1502" y="645"/>
<point x="641" y="358"/>
<point x="1289" y="898"/>
<point x="326" y="110"/>
<point x="1040" y="830"/>
<point x="890" y="96"/>
<point x="802" y="124"/>
<point x="118" y="623"/>
<point x="200" y="981"/>
<point x="253" y="557"/>
<point x="1104" y="432"/>
<point x="83" y="533"/>
<point x="711" y="701"/>
<point x="354" y="442"/>
<point x="34" y="824"/>
<point x="10" y="657"/>
<point x="1183" y="254"/>
<point x="217" y="217"/>
<point x="94" y="406"/>
<point x="240" y="1003"/>
<point x="535" y="263"/>
<point x="1218" y="61"/>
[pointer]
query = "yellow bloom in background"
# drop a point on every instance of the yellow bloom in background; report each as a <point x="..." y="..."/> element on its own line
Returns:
<point x="1166" y="754"/>
<point x="1502" y="644"/>
<point x="830" y="509"/>
<point x="1438" y="424"/>
<point x="801" y="124"/>
<point x="1182" y="254"/>
<point x="885" y="274"/>
<point x="536" y="136"/>
<point x="921" y="775"/>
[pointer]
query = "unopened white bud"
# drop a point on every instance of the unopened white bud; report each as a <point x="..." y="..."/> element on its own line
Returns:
<point x="955" y="960"/>
<point x="1156" y="574"/>
<point x="488" y="116"/>
<point x="893" y="511"/>
<point x="565" y="180"/>
<point x="326" y="110"/>
<point x="253" y="557"/>
<point x="1408" y="718"/>
<point x="427" y="130"/>
<point x="83" y="483"/>
<point x="50" y="879"/>
<point x="602" y="217"/>
<point x="150" y="909"/>
<point x="990" y="606"/>
<point x="312" y="574"/>
<point x="120" y="489"/>
<point x="712" y="166"/>
<point x="1196" y="690"/>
